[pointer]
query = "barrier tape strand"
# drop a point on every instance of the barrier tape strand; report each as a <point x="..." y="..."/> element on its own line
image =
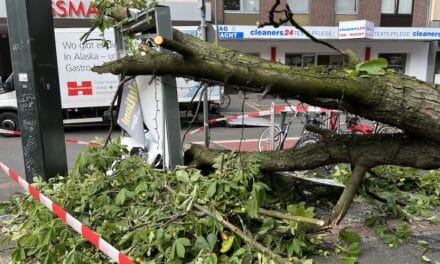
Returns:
<point x="67" y="218"/>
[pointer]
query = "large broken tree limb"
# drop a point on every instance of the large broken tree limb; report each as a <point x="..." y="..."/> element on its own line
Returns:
<point x="366" y="150"/>
<point x="394" y="99"/>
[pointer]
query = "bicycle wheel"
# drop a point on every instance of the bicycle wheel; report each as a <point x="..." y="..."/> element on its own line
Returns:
<point x="225" y="101"/>
<point x="307" y="138"/>
<point x="389" y="130"/>
<point x="264" y="139"/>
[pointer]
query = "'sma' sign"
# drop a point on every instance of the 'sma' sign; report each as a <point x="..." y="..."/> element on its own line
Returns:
<point x="73" y="9"/>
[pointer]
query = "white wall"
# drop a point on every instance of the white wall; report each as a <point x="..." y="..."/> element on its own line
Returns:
<point x="416" y="61"/>
<point x="2" y="8"/>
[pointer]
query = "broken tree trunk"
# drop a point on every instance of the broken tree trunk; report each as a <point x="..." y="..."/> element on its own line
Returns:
<point x="394" y="99"/>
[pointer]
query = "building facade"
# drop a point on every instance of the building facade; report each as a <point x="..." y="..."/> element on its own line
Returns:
<point x="405" y="32"/>
<point x="401" y="32"/>
<point x="80" y="14"/>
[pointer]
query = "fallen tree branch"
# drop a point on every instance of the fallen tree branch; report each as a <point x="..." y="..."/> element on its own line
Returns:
<point x="289" y="217"/>
<point x="392" y="99"/>
<point x="266" y="251"/>
<point x="366" y="150"/>
<point x="341" y="207"/>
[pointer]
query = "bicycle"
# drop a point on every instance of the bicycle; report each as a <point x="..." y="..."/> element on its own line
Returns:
<point x="280" y="134"/>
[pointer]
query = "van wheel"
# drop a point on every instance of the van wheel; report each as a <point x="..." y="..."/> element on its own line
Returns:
<point x="9" y="121"/>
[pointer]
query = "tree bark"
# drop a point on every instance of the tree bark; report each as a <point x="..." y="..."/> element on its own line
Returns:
<point x="341" y="207"/>
<point x="366" y="150"/>
<point x="394" y="99"/>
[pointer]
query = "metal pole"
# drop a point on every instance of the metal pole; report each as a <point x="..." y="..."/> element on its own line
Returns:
<point x="32" y="42"/>
<point x="206" y="89"/>
<point x="216" y="21"/>
<point x="171" y="117"/>
<point x="272" y="126"/>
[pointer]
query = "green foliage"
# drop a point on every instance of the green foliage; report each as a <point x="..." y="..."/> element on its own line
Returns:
<point x="126" y="202"/>
<point x="371" y="67"/>
<point x="348" y="248"/>
<point x="407" y="193"/>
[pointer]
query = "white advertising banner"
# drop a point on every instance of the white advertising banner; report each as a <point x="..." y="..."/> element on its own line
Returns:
<point x="79" y="86"/>
<point x="356" y="29"/>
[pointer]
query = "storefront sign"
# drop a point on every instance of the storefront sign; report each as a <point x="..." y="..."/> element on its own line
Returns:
<point x="227" y="32"/>
<point x="402" y="33"/>
<point x="356" y="29"/>
<point x="232" y="32"/>
<point x="73" y="9"/>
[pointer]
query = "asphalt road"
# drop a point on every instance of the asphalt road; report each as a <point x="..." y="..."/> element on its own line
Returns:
<point x="230" y="137"/>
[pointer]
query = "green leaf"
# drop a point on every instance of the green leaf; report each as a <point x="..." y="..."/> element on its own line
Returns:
<point x="74" y="257"/>
<point x="184" y="241"/>
<point x="180" y="249"/>
<point x="227" y="244"/>
<point x="201" y="243"/>
<point x="294" y="247"/>
<point x="259" y="190"/>
<point x="349" y="237"/>
<point x="120" y="198"/>
<point x="49" y="259"/>
<point x="353" y="73"/>
<point x="252" y="207"/>
<point x="212" y="240"/>
<point x="239" y="252"/>
<point x="17" y="254"/>
<point x="373" y="67"/>
<point x="182" y="176"/>
<point x="308" y="261"/>
<point x="211" y="189"/>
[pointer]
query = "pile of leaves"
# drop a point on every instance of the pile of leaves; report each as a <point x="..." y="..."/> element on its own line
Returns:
<point x="398" y="195"/>
<point x="161" y="217"/>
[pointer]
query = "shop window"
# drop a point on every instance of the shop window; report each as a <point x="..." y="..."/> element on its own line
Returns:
<point x="346" y="6"/>
<point x="299" y="6"/>
<point x="396" y="13"/>
<point x="300" y="60"/>
<point x="396" y="61"/>
<point x="330" y="60"/>
<point x="243" y="6"/>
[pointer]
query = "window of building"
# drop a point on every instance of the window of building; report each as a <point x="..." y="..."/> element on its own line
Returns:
<point x="330" y="60"/>
<point x="396" y="13"/>
<point x="397" y="7"/>
<point x="300" y="60"/>
<point x="299" y="6"/>
<point x="396" y="61"/>
<point x="346" y="6"/>
<point x="243" y="6"/>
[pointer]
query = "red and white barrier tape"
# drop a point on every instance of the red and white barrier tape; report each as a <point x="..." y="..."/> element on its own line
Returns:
<point x="9" y="132"/>
<point x="279" y="108"/>
<point x="83" y="230"/>
<point x="71" y="141"/>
